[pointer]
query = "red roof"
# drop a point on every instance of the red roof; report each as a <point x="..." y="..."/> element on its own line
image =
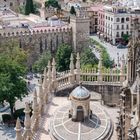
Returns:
<point x="95" y="8"/>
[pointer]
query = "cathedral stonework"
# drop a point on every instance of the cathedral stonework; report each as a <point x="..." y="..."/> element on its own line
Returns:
<point x="129" y="114"/>
<point x="80" y="104"/>
<point x="79" y="122"/>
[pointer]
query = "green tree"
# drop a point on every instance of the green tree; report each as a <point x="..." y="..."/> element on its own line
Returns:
<point x="21" y="9"/>
<point x="53" y="3"/>
<point x="29" y="7"/>
<point x="72" y="10"/>
<point x="125" y="37"/>
<point x="88" y="58"/>
<point x="12" y="68"/>
<point x="36" y="6"/>
<point x="42" y="62"/>
<point x="107" y="62"/>
<point x="63" y="57"/>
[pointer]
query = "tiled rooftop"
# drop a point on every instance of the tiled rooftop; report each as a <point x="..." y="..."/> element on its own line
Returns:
<point x="12" y="22"/>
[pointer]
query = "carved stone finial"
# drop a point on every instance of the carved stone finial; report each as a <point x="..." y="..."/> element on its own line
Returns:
<point x="49" y="70"/>
<point x="78" y="56"/>
<point x="18" y="130"/>
<point x="71" y="57"/>
<point x="40" y="81"/>
<point x="18" y="125"/>
<point x="53" y="62"/>
<point x="78" y="68"/>
<point x="71" y="64"/>
<point x="27" y="108"/>
<point x="35" y="104"/>
<point x="53" y="69"/>
<point x="44" y="72"/>
<point x="49" y="63"/>
<point x="80" y="84"/>
<point x="78" y="61"/>
<point x="27" y="122"/>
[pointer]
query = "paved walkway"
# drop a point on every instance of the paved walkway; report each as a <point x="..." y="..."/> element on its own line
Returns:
<point x="56" y="103"/>
<point x="99" y="126"/>
<point x="7" y="133"/>
<point x="113" y="51"/>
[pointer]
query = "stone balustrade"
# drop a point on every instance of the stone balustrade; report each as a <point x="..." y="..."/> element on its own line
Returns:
<point x="54" y="82"/>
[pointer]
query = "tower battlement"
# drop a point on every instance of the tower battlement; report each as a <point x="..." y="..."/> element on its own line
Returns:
<point x="36" y="32"/>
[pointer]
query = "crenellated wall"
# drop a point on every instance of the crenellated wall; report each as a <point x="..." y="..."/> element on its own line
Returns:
<point x="37" y="42"/>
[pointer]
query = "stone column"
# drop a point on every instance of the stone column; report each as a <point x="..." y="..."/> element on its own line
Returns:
<point x="100" y="69"/>
<point x="129" y="65"/>
<point x="78" y="68"/>
<point x="44" y="79"/>
<point x="44" y="86"/>
<point x="18" y="130"/>
<point x="122" y="70"/>
<point x="49" y="79"/>
<point x="27" y="123"/>
<point x="54" y="82"/>
<point x="71" y="77"/>
<point x="41" y="98"/>
<point x="34" y="119"/>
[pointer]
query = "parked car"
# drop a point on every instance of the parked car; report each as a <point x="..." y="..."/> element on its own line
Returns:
<point x="120" y="46"/>
<point x="29" y="77"/>
<point x="36" y="75"/>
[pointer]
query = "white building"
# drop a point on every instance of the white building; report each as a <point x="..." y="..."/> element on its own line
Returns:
<point x="117" y="23"/>
<point x="130" y="3"/>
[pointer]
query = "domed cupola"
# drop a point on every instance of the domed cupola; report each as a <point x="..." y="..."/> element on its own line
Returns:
<point x="80" y="104"/>
<point x="80" y="93"/>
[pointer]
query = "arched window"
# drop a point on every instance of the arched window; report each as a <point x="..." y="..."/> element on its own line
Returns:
<point x="117" y="35"/>
<point x="122" y="20"/>
<point x="118" y="20"/>
<point x="127" y="19"/>
<point x="122" y="34"/>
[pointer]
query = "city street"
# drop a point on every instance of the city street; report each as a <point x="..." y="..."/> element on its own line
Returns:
<point x="113" y="51"/>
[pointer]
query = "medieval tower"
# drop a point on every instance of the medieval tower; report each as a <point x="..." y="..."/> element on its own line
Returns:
<point x="80" y="28"/>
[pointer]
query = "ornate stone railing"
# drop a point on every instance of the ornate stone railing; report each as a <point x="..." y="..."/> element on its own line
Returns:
<point x="54" y="82"/>
<point x="63" y="82"/>
<point x="90" y="78"/>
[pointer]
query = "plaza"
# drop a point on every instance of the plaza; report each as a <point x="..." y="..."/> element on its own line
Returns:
<point x="53" y="113"/>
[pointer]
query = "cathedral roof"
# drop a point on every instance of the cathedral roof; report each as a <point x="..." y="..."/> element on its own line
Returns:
<point x="80" y="92"/>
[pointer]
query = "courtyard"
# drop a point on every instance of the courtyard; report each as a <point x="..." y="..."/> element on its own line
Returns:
<point x="57" y="103"/>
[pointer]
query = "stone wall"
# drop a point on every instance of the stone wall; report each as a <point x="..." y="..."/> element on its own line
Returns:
<point x="110" y="93"/>
<point x="40" y="41"/>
